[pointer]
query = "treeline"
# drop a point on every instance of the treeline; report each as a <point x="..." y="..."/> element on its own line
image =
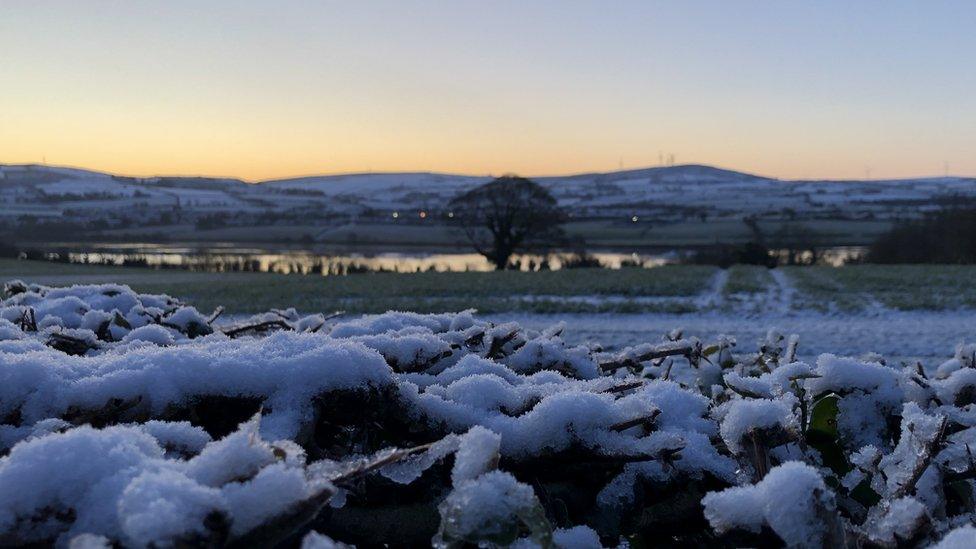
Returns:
<point x="946" y="236"/>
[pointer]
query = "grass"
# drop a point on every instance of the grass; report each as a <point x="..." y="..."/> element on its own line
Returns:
<point x="912" y="287"/>
<point x="747" y="279"/>
<point x="900" y="287"/>
<point x="547" y="291"/>
<point x="670" y="289"/>
<point x="819" y="291"/>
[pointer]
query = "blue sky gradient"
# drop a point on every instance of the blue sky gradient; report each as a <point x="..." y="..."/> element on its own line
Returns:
<point x="825" y="89"/>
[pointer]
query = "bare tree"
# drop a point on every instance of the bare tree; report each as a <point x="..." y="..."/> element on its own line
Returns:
<point x="509" y="215"/>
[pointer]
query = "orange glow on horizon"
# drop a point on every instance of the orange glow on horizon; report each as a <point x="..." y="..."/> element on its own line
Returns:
<point x="261" y="91"/>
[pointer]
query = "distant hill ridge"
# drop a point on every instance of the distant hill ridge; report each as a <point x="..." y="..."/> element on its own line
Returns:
<point x="613" y="209"/>
<point x="700" y="172"/>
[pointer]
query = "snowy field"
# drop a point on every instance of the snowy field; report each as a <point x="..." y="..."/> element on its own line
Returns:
<point x="929" y="336"/>
<point x="901" y="312"/>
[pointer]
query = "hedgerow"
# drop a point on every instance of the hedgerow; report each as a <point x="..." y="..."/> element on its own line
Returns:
<point x="135" y="420"/>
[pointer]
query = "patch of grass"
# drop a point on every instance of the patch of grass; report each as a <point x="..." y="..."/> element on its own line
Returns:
<point x="901" y="287"/>
<point x="747" y="279"/>
<point x="818" y="290"/>
<point x="13" y="268"/>
<point x="913" y="287"/>
<point x="378" y="292"/>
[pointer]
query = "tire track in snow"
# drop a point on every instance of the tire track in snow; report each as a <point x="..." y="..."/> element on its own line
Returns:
<point x="714" y="296"/>
<point x="781" y="293"/>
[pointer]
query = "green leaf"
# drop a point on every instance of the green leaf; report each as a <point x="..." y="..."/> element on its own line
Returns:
<point x="959" y="495"/>
<point x="822" y="434"/>
<point x="823" y="416"/>
<point x="865" y="495"/>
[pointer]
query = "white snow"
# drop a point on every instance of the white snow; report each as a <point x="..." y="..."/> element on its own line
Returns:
<point x="747" y="416"/>
<point x="790" y="500"/>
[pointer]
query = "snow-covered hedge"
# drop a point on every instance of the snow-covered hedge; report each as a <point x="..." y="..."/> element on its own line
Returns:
<point x="135" y="420"/>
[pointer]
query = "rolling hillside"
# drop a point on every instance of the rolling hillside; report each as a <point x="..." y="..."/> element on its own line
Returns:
<point x="647" y="206"/>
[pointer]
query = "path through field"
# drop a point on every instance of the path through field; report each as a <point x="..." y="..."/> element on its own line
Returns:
<point x="781" y="294"/>
<point x="713" y="297"/>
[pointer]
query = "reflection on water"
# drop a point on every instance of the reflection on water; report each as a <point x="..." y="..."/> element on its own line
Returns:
<point x="303" y="262"/>
<point x="237" y="259"/>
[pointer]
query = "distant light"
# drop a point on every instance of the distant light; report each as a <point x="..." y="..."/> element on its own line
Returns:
<point x="423" y="215"/>
<point x="396" y="215"/>
<point x="634" y="219"/>
<point x="450" y="214"/>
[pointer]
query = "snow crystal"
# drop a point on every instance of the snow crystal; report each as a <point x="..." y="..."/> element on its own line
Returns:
<point x="179" y="436"/>
<point x="118" y="483"/>
<point x="8" y="330"/>
<point x="274" y="488"/>
<point x="899" y="521"/>
<point x="540" y="354"/>
<point x="577" y="537"/>
<point x="239" y="455"/>
<point x="185" y="317"/>
<point x="82" y="469"/>
<point x="680" y="408"/>
<point x="965" y="357"/>
<point x="963" y="537"/>
<point x="315" y="540"/>
<point x="959" y="388"/>
<point x="287" y="369"/>
<point x="791" y="499"/>
<point x="408" y="470"/>
<point x="747" y="416"/>
<point x="392" y="321"/>
<point x="486" y="505"/>
<point x="156" y="507"/>
<point x="477" y="453"/>
<point x="89" y="541"/>
<point x="918" y="430"/>
<point x="152" y="333"/>
<point x="870" y="394"/>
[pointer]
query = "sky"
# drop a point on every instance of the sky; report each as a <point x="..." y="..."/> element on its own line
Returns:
<point x="260" y="90"/>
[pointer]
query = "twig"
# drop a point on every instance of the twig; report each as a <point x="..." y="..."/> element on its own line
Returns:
<point x="623" y="387"/>
<point x="325" y="321"/>
<point x="498" y="343"/>
<point x="69" y="345"/>
<point x="928" y="452"/>
<point x="374" y="464"/>
<point x="28" y="321"/>
<point x="632" y="362"/>
<point x="259" y="327"/>
<point x="647" y="421"/>
<point x="217" y="312"/>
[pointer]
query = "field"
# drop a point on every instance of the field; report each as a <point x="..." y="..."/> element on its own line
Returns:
<point x="904" y="312"/>
<point x="860" y="289"/>
<point x="673" y="289"/>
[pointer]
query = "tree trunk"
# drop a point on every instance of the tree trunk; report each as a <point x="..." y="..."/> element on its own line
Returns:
<point x="500" y="256"/>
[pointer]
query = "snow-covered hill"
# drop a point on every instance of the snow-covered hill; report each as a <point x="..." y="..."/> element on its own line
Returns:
<point x="665" y="194"/>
